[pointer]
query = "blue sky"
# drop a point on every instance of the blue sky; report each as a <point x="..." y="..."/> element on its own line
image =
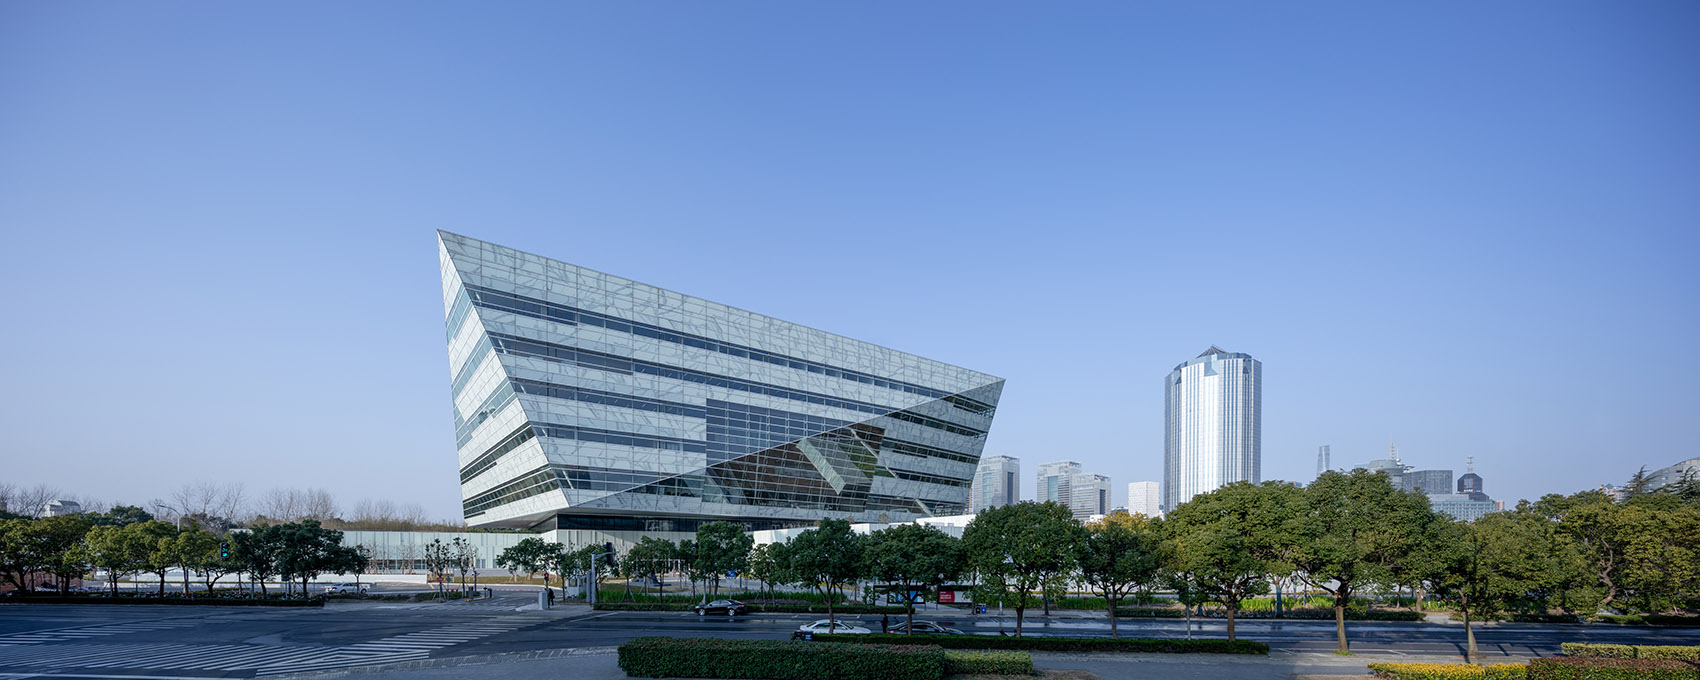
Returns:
<point x="1469" y="228"/>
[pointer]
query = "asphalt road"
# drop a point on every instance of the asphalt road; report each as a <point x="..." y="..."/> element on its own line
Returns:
<point x="154" y="642"/>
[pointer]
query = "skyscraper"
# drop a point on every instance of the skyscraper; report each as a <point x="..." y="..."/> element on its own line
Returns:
<point x="1324" y="459"/>
<point x="1053" y="481"/>
<point x="590" y="403"/>
<point x="1213" y="432"/>
<point x="997" y="482"/>
<point x="1089" y="494"/>
<point x="1144" y="498"/>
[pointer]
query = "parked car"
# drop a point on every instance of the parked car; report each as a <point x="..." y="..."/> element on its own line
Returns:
<point x="727" y="607"/>
<point x="924" y="628"/>
<point x="823" y="626"/>
<point x="345" y="589"/>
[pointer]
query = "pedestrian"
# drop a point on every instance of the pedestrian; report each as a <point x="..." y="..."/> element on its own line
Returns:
<point x="551" y="595"/>
<point x="885" y="623"/>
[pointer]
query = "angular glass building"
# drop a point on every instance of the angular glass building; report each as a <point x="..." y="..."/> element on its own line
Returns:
<point x="1213" y="425"/>
<point x="585" y="402"/>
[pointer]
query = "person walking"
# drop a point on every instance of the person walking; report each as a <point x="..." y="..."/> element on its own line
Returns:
<point x="885" y="623"/>
<point x="551" y="595"/>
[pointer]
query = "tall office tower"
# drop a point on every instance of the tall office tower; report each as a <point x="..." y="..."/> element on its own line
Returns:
<point x="1144" y="498"/>
<point x="1470" y="483"/>
<point x="1213" y="432"/>
<point x="997" y="482"/>
<point x="589" y="403"/>
<point x="1088" y="495"/>
<point x="1323" y="460"/>
<point x="1054" y="480"/>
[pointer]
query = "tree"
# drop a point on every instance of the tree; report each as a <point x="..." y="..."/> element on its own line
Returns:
<point x="307" y="550"/>
<point x="190" y="550"/>
<point x="1349" y="529"/>
<point x="1637" y="485"/>
<point x="160" y="559"/>
<point x="62" y="551"/>
<point x="648" y="559"/>
<point x="530" y="555"/>
<point x="1483" y="566"/>
<point x="123" y="515"/>
<point x="257" y="552"/>
<point x="439" y="559"/>
<point x="827" y="558"/>
<point x="1225" y="542"/>
<point x="1017" y="548"/>
<point x="465" y="559"/>
<point x="1121" y="553"/>
<point x="356" y="561"/>
<point x="722" y="547"/>
<point x="117" y="550"/>
<point x="913" y="557"/>
<point x="770" y="563"/>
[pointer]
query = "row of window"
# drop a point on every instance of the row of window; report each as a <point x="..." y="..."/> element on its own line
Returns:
<point x="457" y="314"/>
<point x="586" y="358"/>
<point x="493" y="404"/>
<point x="590" y="396"/>
<point x="480" y="351"/>
<point x="540" y="309"/>
<point x="488" y="459"/>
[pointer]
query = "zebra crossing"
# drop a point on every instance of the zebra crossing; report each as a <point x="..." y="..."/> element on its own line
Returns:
<point x="245" y="659"/>
<point x="37" y="637"/>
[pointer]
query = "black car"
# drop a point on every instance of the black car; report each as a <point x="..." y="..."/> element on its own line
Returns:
<point x="727" y="607"/>
<point x="925" y="628"/>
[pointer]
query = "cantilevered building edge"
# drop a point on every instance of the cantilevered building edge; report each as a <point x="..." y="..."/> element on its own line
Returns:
<point x="588" y="402"/>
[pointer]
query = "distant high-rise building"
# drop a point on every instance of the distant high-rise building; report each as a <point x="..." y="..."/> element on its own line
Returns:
<point x="1213" y="432"/>
<point x="1054" y="479"/>
<point x="1089" y="495"/>
<point x="997" y="482"/>
<point x="1470" y="483"/>
<point x="1323" y="460"/>
<point x="1144" y="498"/>
<point x="1429" y="481"/>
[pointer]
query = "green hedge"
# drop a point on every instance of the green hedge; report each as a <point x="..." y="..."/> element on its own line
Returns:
<point x="1448" y="671"/>
<point x="1546" y="618"/>
<point x="175" y="601"/>
<point x="1059" y="644"/>
<point x="1598" y="668"/>
<point x="1605" y="651"/>
<point x="1649" y="619"/>
<point x="841" y="609"/>
<point x="988" y="663"/>
<point x="661" y="657"/>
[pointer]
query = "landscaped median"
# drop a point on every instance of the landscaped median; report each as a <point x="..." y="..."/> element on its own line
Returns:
<point x="753" y="608"/>
<point x="1602" y="651"/>
<point x="1448" y="671"/>
<point x="1058" y="644"/>
<point x="660" y="657"/>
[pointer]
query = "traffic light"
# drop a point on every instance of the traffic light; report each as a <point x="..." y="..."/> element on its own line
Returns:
<point x="224" y="550"/>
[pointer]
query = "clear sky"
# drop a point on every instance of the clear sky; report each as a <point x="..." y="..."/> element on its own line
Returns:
<point x="1469" y="228"/>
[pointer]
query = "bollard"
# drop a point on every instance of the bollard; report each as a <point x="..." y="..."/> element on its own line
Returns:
<point x="542" y="600"/>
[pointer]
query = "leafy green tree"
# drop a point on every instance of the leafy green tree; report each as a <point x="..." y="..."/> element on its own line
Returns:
<point x="307" y="549"/>
<point x="575" y="564"/>
<point x="1121" y="554"/>
<point x="189" y="551"/>
<point x="1484" y="566"/>
<point x="61" y="546"/>
<point x="1350" y="529"/>
<point x="357" y="560"/>
<point x="1226" y="543"/>
<point x="827" y="558"/>
<point x="116" y="550"/>
<point x="1637" y="485"/>
<point x="31" y="547"/>
<point x="160" y="557"/>
<point x="530" y="555"/>
<point x="722" y="547"/>
<point x="913" y="558"/>
<point x="770" y="564"/>
<point x="649" y="558"/>
<point x="257" y="552"/>
<point x="123" y="515"/>
<point x="1018" y="548"/>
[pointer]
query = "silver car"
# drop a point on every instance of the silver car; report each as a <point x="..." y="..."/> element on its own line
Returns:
<point x="824" y="626"/>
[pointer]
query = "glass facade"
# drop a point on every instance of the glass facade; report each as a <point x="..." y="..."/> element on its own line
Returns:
<point x="585" y="401"/>
<point x="1213" y="417"/>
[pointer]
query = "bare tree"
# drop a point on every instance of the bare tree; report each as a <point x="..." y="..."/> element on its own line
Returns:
<point x="31" y="501"/>
<point x="319" y="504"/>
<point x="216" y="506"/>
<point x="7" y="491"/>
<point x="281" y="505"/>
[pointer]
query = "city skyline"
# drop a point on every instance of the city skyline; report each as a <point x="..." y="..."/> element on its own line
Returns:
<point x="222" y="220"/>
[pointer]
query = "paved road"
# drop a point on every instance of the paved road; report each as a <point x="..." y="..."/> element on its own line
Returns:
<point x="79" y="641"/>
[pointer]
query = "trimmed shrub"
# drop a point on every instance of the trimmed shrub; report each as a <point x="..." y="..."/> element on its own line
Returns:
<point x="839" y="610"/>
<point x="1546" y="618"/>
<point x="1602" y="668"/>
<point x="660" y="657"/>
<point x="988" y="663"/>
<point x="1448" y="671"/>
<point x="1648" y="619"/>
<point x="1305" y="613"/>
<point x="1059" y="644"/>
<point x="1604" y="651"/>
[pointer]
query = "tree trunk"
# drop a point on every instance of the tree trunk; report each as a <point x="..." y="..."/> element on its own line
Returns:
<point x="1233" y="606"/>
<point x="1340" y="624"/>
<point x="831" y="620"/>
<point x="909" y="628"/>
<point x="1020" y="609"/>
<point x="1470" y="655"/>
<point x="1110" y="603"/>
<point x="161" y="582"/>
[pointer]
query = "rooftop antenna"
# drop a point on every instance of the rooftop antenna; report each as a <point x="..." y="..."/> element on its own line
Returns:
<point x="1470" y="464"/>
<point x="1392" y="453"/>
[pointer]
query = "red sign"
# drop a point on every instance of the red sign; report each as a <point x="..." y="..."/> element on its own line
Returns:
<point x="947" y="596"/>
